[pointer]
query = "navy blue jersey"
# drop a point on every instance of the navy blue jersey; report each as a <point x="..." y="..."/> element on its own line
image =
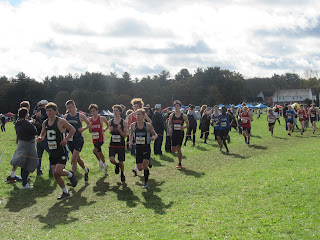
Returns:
<point x="224" y="122"/>
<point x="215" y="122"/>
<point x="76" y="123"/>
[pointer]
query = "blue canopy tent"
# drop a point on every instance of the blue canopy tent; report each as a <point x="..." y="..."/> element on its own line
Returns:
<point x="238" y="106"/>
<point x="249" y="105"/>
<point x="260" y="105"/>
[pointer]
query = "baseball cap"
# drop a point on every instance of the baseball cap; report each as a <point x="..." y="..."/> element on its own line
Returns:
<point x="157" y="106"/>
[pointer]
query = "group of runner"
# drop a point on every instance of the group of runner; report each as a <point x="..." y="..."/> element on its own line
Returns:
<point x="65" y="134"/>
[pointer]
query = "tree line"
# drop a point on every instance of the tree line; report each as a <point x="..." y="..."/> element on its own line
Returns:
<point x="210" y="86"/>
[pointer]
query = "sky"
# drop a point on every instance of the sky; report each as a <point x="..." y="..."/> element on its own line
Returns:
<point x="256" y="38"/>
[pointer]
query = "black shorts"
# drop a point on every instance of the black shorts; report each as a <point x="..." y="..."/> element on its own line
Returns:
<point x="120" y="151"/>
<point x="271" y="124"/>
<point x="246" y="129"/>
<point x="75" y="145"/>
<point x="216" y="133"/>
<point x="143" y="153"/>
<point x="223" y="133"/>
<point x="313" y="120"/>
<point x="290" y="121"/>
<point x="177" y="138"/>
<point x="98" y="145"/>
<point x="62" y="159"/>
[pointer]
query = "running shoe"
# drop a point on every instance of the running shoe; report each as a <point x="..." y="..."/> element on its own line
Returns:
<point x="100" y="166"/>
<point x="145" y="185"/>
<point x="64" y="196"/>
<point x="150" y="164"/>
<point x="117" y="169"/>
<point x="227" y="152"/>
<point x="220" y="149"/>
<point x="179" y="166"/>
<point x="86" y="176"/>
<point x="135" y="171"/>
<point x="73" y="180"/>
<point x="289" y="134"/>
<point x="123" y="177"/>
<point x="27" y="186"/>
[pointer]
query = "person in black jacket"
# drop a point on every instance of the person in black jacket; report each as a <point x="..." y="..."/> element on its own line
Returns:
<point x="25" y="155"/>
<point x="205" y="124"/>
<point x="158" y="125"/>
<point x="191" y="132"/>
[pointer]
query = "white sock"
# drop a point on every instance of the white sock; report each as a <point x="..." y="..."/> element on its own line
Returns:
<point x="12" y="174"/>
<point x="136" y="167"/>
<point x="105" y="164"/>
<point x="65" y="190"/>
<point x="85" y="169"/>
<point x="70" y="175"/>
<point x="100" y="162"/>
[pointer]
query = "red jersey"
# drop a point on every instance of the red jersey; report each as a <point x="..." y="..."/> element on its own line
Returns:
<point x="245" y="119"/>
<point x="97" y="134"/>
<point x="131" y="119"/>
<point x="302" y="115"/>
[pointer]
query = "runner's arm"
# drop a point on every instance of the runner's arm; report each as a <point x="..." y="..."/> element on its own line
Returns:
<point x="153" y="132"/>
<point x="43" y="133"/>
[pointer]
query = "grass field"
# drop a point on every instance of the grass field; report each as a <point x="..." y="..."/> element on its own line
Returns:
<point x="269" y="190"/>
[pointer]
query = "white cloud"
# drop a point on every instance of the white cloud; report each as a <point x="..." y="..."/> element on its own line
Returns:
<point x="255" y="38"/>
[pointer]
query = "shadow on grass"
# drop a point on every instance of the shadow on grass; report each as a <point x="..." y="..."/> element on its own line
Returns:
<point x="59" y="213"/>
<point x="152" y="201"/>
<point x="257" y="147"/>
<point x="101" y="187"/>
<point x="201" y="148"/>
<point x="154" y="162"/>
<point x="281" y="138"/>
<point x="235" y="155"/>
<point x="256" y="136"/>
<point x="23" y="198"/>
<point x="166" y="158"/>
<point x="124" y="193"/>
<point x="189" y="172"/>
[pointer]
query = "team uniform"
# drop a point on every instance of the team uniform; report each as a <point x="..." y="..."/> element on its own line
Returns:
<point x="271" y="120"/>
<point x="97" y="133"/>
<point x="58" y="154"/>
<point x="313" y="115"/>
<point x="290" y="115"/>
<point x="117" y="142"/>
<point x="216" y="127"/>
<point x="142" y="137"/>
<point x="177" y="133"/>
<point x="224" y="126"/>
<point x="246" y="122"/>
<point x="302" y="115"/>
<point x="77" y="141"/>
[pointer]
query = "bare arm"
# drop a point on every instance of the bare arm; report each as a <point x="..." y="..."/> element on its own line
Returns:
<point x="170" y="122"/>
<point x="43" y="132"/>
<point x="147" y="118"/>
<point x="64" y="123"/>
<point x="104" y="120"/>
<point x="185" y="118"/>
<point x="152" y="131"/>
<point x="131" y="135"/>
<point x="83" y="118"/>
<point x="125" y="129"/>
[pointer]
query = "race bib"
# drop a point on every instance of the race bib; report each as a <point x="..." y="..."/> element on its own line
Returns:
<point x="312" y="115"/>
<point x="270" y="120"/>
<point x="70" y="139"/>
<point x="95" y="135"/>
<point x="215" y="124"/>
<point x="177" y="126"/>
<point x="52" y="145"/>
<point x="289" y="116"/>
<point x="116" y="138"/>
<point x="244" y="120"/>
<point x="223" y="124"/>
<point x="140" y="140"/>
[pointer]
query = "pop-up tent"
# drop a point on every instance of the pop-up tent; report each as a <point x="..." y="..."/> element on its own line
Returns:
<point x="260" y="105"/>
<point x="106" y="113"/>
<point x="249" y="105"/>
<point x="9" y="114"/>
<point x="238" y="106"/>
<point x="297" y="105"/>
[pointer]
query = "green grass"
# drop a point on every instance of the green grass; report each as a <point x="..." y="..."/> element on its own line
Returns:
<point x="268" y="190"/>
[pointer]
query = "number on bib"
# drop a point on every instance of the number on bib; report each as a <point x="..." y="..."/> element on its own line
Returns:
<point x="95" y="135"/>
<point x="140" y="140"/>
<point x="177" y="127"/>
<point x="116" y="138"/>
<point x="52" y="145"/>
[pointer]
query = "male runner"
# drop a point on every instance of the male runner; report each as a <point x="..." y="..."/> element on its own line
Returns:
<point x="97" y="135"/>
<point x="290" y="115"/>
<point x="140" y="131"/>
<point x="271" y="118"/>
<point x="216" y="127"/>
<point x="75" y="143"/>
<point x="176" y="127"/>
<point x="118" y="129"/>
<point x="246" y="119"/>
<point x="224" y="127"/>
<point x="302" y="117"/>
<point x="313" y="113"/>
<point x="53" y="128"/>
